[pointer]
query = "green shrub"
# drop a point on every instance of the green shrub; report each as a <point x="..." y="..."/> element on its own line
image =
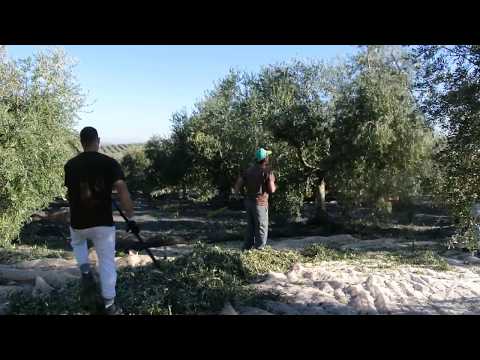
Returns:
<point x="466" y="238"/>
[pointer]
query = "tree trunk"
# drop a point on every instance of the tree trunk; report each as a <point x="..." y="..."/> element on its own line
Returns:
<point x="184" y="191"/>
<point x="383" y="206"/>
<point x="320" y="196"/>
<point x="321" y="215"/>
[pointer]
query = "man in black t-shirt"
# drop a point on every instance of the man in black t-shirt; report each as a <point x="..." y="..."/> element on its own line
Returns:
<point x="90" y="178"/>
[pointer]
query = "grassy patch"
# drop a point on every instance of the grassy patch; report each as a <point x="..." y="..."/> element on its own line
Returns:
<point x="390" y="259"/>
<point x="197" y="283"/>
<point x="256" y="262"/>
<point x="65" y="301"/>
<point x="423" y="258"/>
<point x="13" y="254"/>
<point x="319" y="253"/>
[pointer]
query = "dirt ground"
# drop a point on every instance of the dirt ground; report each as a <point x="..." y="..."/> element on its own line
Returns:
<point x="172" y="227"/>
<point x="174" y="221"/>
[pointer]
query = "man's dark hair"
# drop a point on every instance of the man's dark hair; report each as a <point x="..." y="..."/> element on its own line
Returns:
<point x="88" y="135"/>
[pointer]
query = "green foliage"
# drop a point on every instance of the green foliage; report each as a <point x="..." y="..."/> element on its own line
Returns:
<point x="381" y="141"/>
<point x="54" y="304"/>
<point x="355" y="125"/>
<point x="136" y="165"/>
<point x="425" y="258"/>
<point x="320" y="253"/>
<point x="200" y="282"/>
<point x="257" y="263"/>
<point x="292" y="102"/>
<point x="448" y="81"/>
<point x="466" y="237"/>
<point x="222" y="134"/>
<point x="39" y="100"/>
<point x="172" y="159"/>
<point x="422" y="258"/>
<point x="286" y="205"/>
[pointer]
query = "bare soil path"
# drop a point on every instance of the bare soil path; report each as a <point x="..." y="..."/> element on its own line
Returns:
<point x="332" y="287"/>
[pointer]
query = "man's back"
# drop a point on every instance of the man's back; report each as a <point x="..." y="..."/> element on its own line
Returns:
<point x="89" y="178"/>
<point x="255" y="178"/>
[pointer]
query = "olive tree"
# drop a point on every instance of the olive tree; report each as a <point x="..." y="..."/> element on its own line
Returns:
<point x="135" y="164"/>
<point x="39" y="101"/>
<point x="292" y="102"/>
<point x="448" y="83"/>
<point x="353" y="128"/>
<point x="170" y="158"/>
<point x="222" y="133"/>
<point x="381" y="143"/>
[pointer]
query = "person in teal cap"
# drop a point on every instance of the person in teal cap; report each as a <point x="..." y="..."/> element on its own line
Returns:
<point x="259" y="182"/>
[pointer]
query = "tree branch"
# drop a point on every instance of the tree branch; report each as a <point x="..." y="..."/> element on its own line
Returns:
<point x="458" y="55"/>
<point x="304" y="162"/>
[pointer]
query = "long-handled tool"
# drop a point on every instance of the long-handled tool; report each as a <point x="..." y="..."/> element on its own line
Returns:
<point x="138" y="236"/>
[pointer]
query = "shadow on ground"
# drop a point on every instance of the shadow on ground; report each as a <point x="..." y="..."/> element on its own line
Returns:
<point x="177" y="221"/>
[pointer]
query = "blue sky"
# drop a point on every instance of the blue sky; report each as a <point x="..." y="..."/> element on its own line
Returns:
<point x="133" y="90"/>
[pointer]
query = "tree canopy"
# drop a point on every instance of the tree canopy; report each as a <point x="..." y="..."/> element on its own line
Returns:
<point x="449" y="86"/>
<point x="355" y="125"/>
<point x="39" y="101"/>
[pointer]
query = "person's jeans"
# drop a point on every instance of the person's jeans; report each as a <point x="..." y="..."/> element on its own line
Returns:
<point x="103" y="238"/>
<point x="257" y="224"/>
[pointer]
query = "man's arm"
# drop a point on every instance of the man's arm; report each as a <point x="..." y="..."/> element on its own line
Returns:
<point x="271" y="187"/>
<point x="126" y="203"/>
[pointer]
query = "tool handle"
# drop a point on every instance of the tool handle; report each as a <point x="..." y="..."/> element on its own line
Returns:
<point x="137" y="235"/>
<point x="119" y="210"/>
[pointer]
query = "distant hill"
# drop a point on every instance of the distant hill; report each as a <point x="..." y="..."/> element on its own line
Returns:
<point x="118" y="151"/>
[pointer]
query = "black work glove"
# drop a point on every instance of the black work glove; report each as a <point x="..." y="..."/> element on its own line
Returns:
<point x="133" y="227"/>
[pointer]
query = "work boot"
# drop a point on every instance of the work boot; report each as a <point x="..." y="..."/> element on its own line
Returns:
<point x="112" y="309"/>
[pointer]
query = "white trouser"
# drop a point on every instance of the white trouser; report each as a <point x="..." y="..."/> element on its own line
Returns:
<point x="103" y="238"/>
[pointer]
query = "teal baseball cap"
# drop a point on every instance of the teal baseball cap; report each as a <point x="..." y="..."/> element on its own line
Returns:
<point x="261" y="154"/>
